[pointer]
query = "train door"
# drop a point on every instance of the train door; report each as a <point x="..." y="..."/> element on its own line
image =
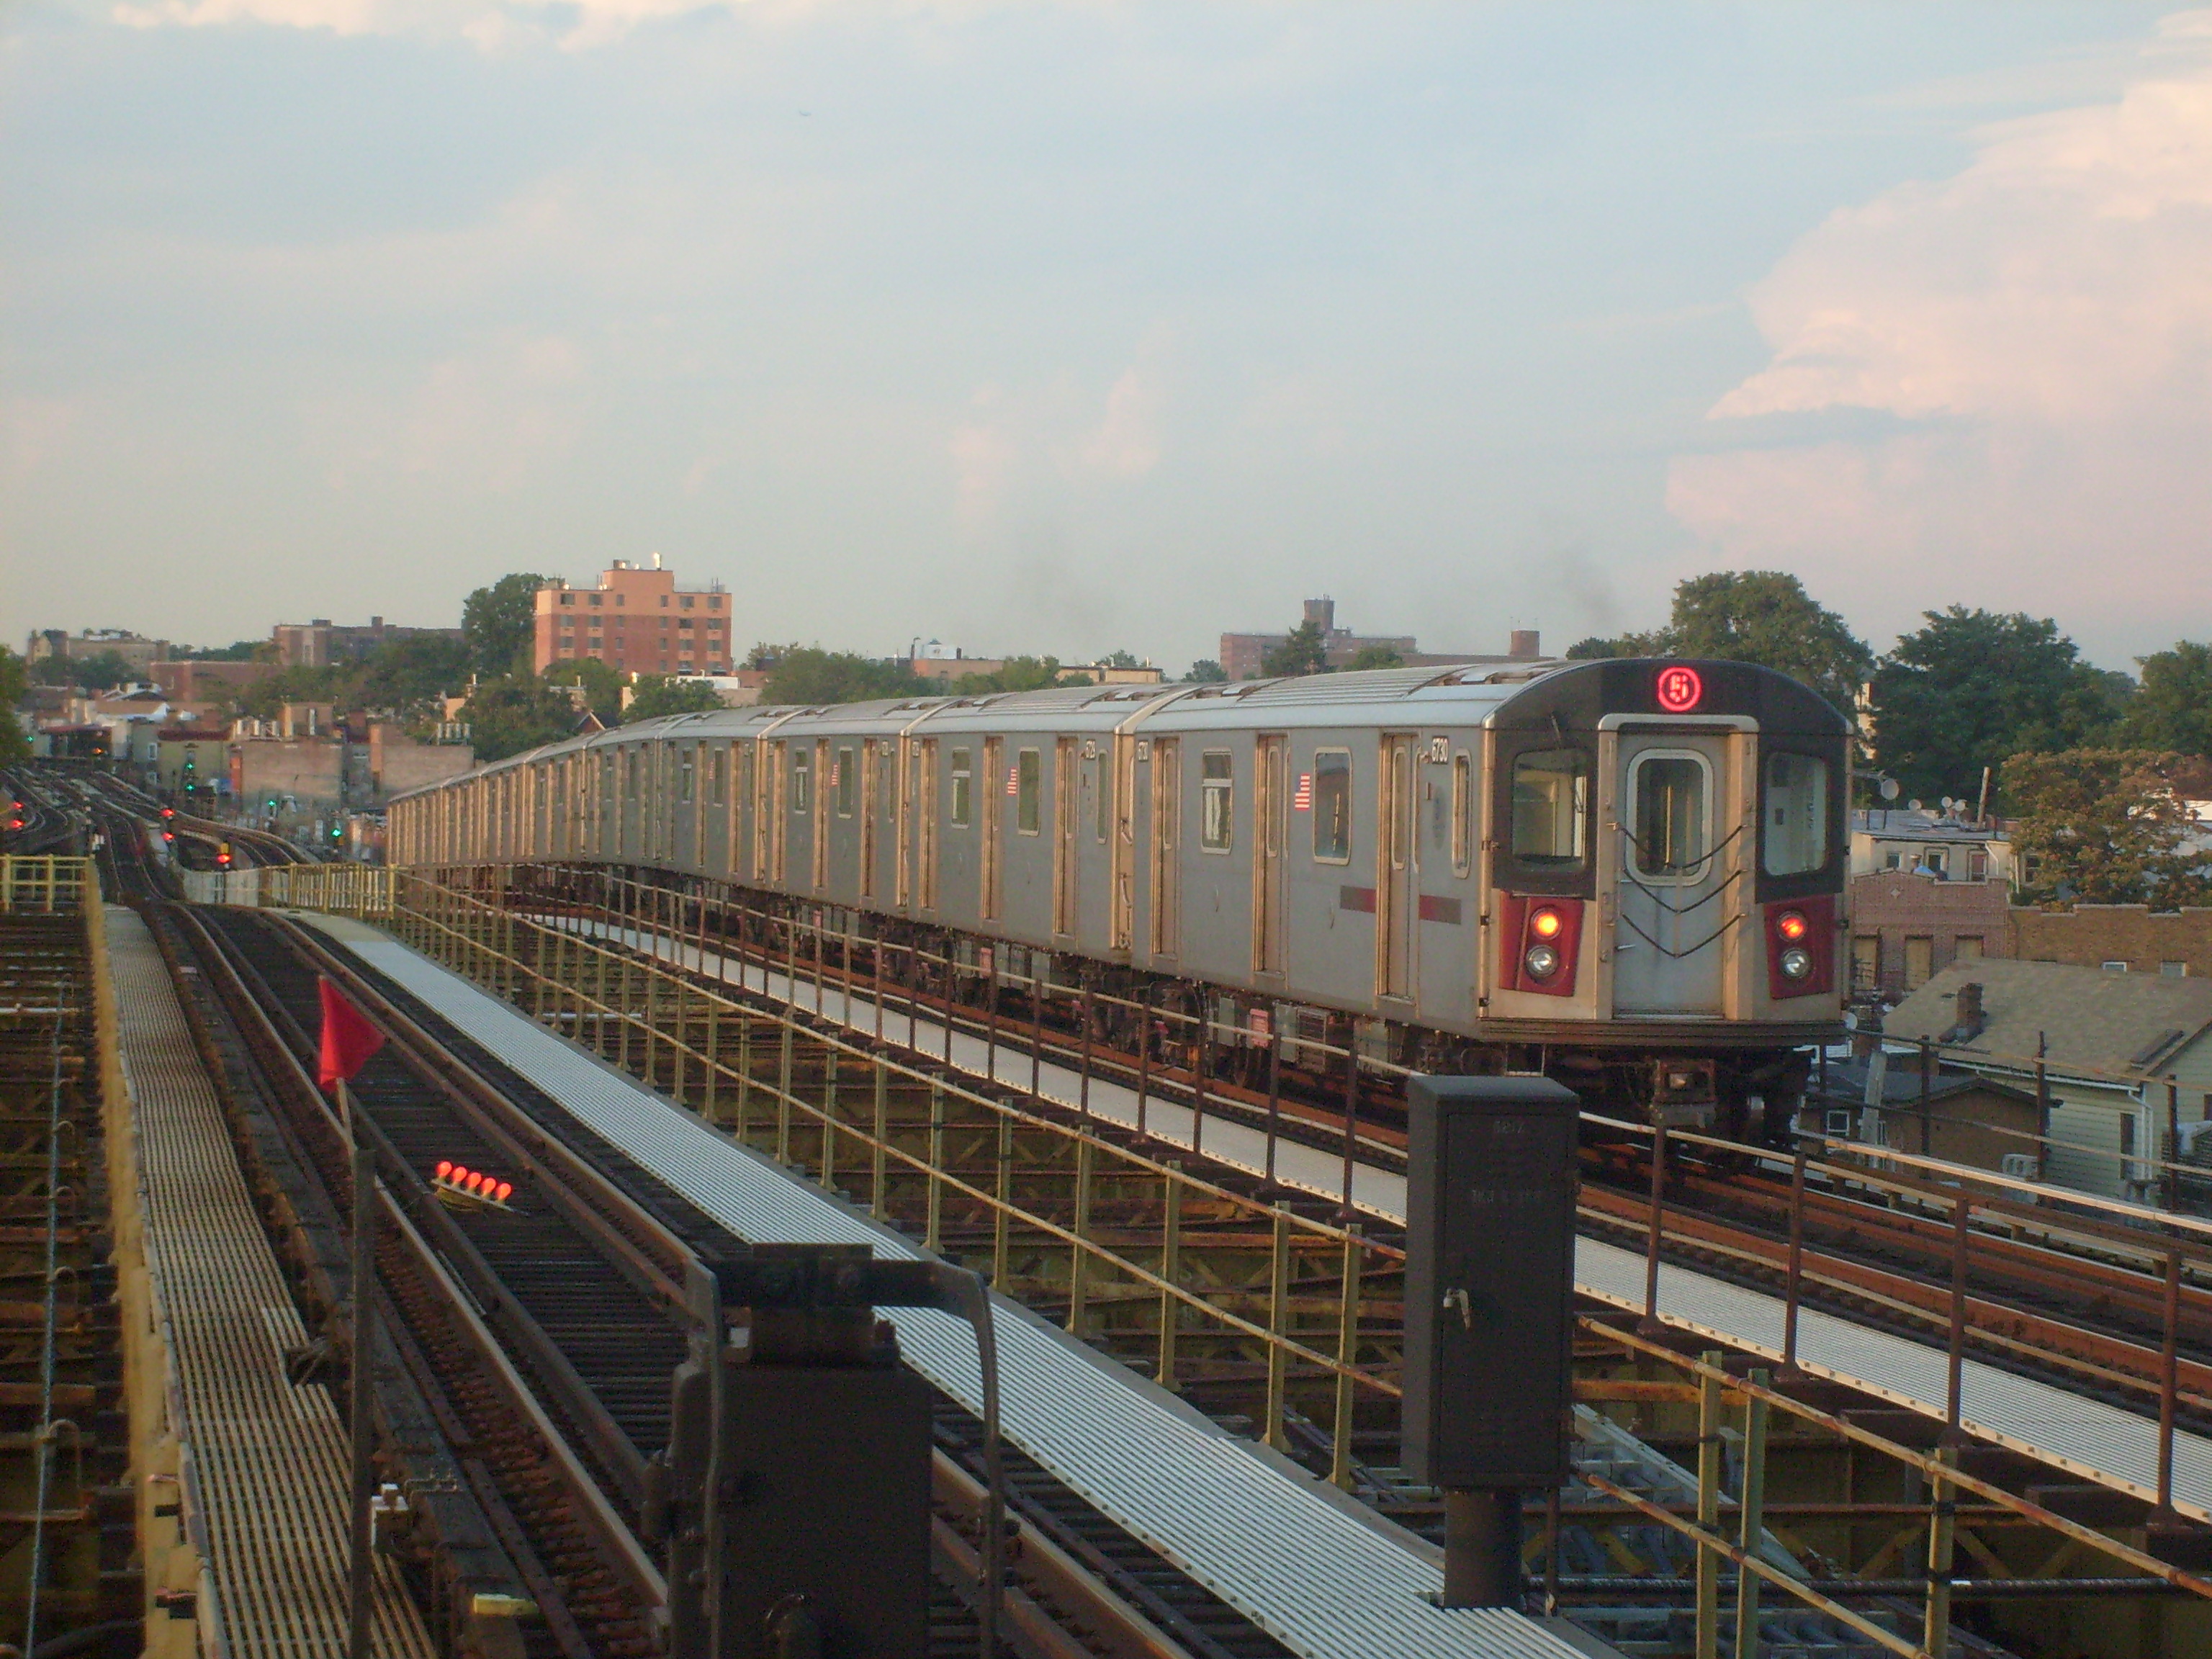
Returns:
<point x="1167" y="844"/>
<point x="995" y="755"/>
<point x="1395" y="882"/>
<point x="870" y="766"/>
<point x="1670" y="945"/>
<point x="924" y="805"/>
<point x="775" y="837"/>
<point x="1122" y="921"/>
<point x="1067" y="835"/>
<point x="1270" y="802"/>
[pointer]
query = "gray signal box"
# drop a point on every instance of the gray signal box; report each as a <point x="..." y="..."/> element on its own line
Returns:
<point x="1489" y="1280"/>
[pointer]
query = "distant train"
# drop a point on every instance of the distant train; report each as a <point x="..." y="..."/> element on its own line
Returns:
<point x="1628" y="874"/>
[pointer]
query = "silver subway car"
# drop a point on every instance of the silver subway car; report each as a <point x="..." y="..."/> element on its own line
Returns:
<point x="1628" y="873"/>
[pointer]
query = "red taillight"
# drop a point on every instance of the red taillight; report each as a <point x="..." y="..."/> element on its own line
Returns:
<point x="1546" y="923"/>
<point x="1792" y="926"/>
<point x="445" y="1168"/>
<point x="506" y="1189"/>
<point x="1538" y="940"/>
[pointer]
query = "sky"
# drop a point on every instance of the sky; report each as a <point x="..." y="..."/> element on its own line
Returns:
<point x="1079" y="326"/>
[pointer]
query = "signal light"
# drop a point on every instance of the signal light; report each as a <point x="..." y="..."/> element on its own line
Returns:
<point x="1792" y="926"/>
<point x="1546" y="923"/>
<point x="1542" y="961"/>
<point x="463" y="1188"/>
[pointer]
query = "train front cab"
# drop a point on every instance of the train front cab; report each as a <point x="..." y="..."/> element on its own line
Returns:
<point x="1666" y="844"/>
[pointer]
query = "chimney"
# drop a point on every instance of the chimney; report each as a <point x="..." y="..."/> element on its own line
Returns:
<point x="1967" y="1018"/>
<point x="1322" y="611"/>
<point x="1523" y="644"/>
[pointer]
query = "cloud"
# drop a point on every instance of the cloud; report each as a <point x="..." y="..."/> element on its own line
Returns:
<point x="492" y="25"/>
<point x="2009" y="372"/>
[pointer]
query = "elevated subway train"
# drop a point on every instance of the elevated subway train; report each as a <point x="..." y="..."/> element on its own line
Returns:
<point x="1628" y="874"/>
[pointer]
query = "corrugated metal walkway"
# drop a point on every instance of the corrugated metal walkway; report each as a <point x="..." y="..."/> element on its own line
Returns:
<point x="271" y="1459"/>
<point x="1309" y="1564"/>
<point x="2098" y="1442"/>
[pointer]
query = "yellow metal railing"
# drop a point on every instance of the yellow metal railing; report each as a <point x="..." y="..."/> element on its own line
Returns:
<point x="44" y="883"/>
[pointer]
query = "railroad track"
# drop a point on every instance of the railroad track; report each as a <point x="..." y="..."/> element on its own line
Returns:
<point x="2059" y="1297"/>
<point x="548" y="1334"/>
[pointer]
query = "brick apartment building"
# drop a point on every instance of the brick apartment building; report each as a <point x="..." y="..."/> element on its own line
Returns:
<point x="321" y="643"/>
<point x="635" y="621"/>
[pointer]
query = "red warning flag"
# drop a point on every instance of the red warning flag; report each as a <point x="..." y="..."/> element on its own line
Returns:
<point x="348" y="1038"/>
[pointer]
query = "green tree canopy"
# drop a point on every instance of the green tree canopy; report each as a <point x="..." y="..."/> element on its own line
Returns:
<point x="239" y="651"/>
<point x="602" y="685"/>
<point x="512" y="713"/>
<point x="1019" y="674"/>
<point x="497" y="622"/>
<point x="97" y="672"/>
<point x="1303" y="651"/>
<point x="2103" y="826"/>
<point x="330" y="682"/>
<point x="1119" y="659"/>
<point x="808" y="674"/>
<point x="1621" y="645"/>
<point x="1766" y="617"/>
<point x="656" y="695"/>
<point x="1206" y="672"/>
<point x="401" y="676"/>
<point x="1974" y="687"/>
<point x="1377" y="656"/>
<point x="14" y="688"/>
<point x="2173" y="709"/>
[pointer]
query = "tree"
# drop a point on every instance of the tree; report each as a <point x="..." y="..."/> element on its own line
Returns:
<point x="1304" y="650"/>
<point x="238" y="651"/>
<point x="603" y="686"/>
<point x="808" y="674"/>
<point x="1624" y="645"/>
<point x="400" y="676"/>
<point x="656" y="695"/>
<point x="1766" y="617"/>
<point x="1974" y="687"/>
<point x="325" y="683"/>
<point x="97" y="672"/>
<point x="1119" y="659"/>
<point x="1018" y="674"/>
<point x="1206" y="671"/>
<point x="498" y="622"/>
<point x="512" y="713"/>
<point x="2173" y="707"/>
<point x="2103" y="826"/>
<point x="14" y="689"/>
<point x="1377" y="656"/>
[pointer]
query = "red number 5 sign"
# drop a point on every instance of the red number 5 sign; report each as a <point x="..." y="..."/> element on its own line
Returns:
<point x="1680" y="690"/>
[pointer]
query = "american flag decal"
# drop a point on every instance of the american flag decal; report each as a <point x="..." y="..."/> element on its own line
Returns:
<point x="1303" y="801"/>
<point x="1013" y="779"/>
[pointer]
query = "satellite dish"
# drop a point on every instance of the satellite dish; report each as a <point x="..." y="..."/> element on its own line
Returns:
<point x="1914" y="805"/>
<point x="1889" y="789"/>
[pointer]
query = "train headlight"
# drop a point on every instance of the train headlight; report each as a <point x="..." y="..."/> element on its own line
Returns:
<point x="1546" y="923"/>
<point x="1797" y="962"/>
<point x="1792" y="926"/>
<point x="1542" y="960"/>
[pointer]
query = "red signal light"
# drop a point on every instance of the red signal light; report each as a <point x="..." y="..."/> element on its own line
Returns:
<point x="1792" y="926"/>
<point x="506" y="1189"/>
<point x="1680" y="689"/>
<point x="1546" y="923"/>
<point x="445" y="1168"/>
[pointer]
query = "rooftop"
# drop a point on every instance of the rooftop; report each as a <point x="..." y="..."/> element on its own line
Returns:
<point x="2091" y="1021"/>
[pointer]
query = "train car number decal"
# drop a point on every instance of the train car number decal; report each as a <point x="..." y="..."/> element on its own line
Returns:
<point x="1680" y="689"/>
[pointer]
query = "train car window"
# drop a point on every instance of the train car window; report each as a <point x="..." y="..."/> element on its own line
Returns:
<point x="1332" y="805"/>
<point x="1217" y="800"/>
<point x="1103" y="795"/>
<point x="1793" y="817"/>
<point x="1668" y="792"/>
<point x="847" y="782"/>
<point x="685" y="771"/>
<point x="716" y="774"/>
<point x="1029" y="791"/>
<point x="963" y="787"/>
<point x="1462" y="814"/>
<point x="802" y="778"/>
<point x="1551" y="808"/>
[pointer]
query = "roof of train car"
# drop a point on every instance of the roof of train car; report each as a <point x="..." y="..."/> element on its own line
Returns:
<point x="1471" y="694"/>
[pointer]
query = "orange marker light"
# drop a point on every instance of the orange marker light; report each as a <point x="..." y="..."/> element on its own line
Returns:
<point x="1792" y="926"/>
<point x="1546" y="923"/>
<point x="445" y="1168"/>
<point x="506" y="1191"/>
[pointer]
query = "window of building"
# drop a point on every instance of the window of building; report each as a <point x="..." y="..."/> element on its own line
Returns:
<point x="1977" y="866"/>
<point x="714" y="605"/>
<point x="1029" y="791"/>
<point x="963" y="788"/>
<point x="1462" y="815"/>
<point x="1866" y="961"/>
<point x="2113" y="967"/>
<point x="1967" y="948"/>
<point x="1551" y="809"/>
<point x="1795" y="841"/>
<point x="1892" y="859"/>
<point x="595" y="598"/>
<point x="845" y="778"/>
<point x="684" y="603"/>
<point x="568" y="598"/>
<point x="1920" y="960"/>
<point x="802" y="778"/>
<point x="2173" y="970"/>
<point x="1216" y="799"/>
<point x="1332" y="805"/>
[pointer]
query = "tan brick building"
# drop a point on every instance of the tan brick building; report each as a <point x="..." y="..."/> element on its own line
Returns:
<point x="1907" y="924"/>
<point x="635" y="621"/>
<point x="2129" y="939"/>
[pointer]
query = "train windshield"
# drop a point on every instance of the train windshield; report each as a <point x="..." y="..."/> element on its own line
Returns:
<point x="1669" y="791"/>
<point x="1551" y="808"/>
<point x="1794" y="815"/>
